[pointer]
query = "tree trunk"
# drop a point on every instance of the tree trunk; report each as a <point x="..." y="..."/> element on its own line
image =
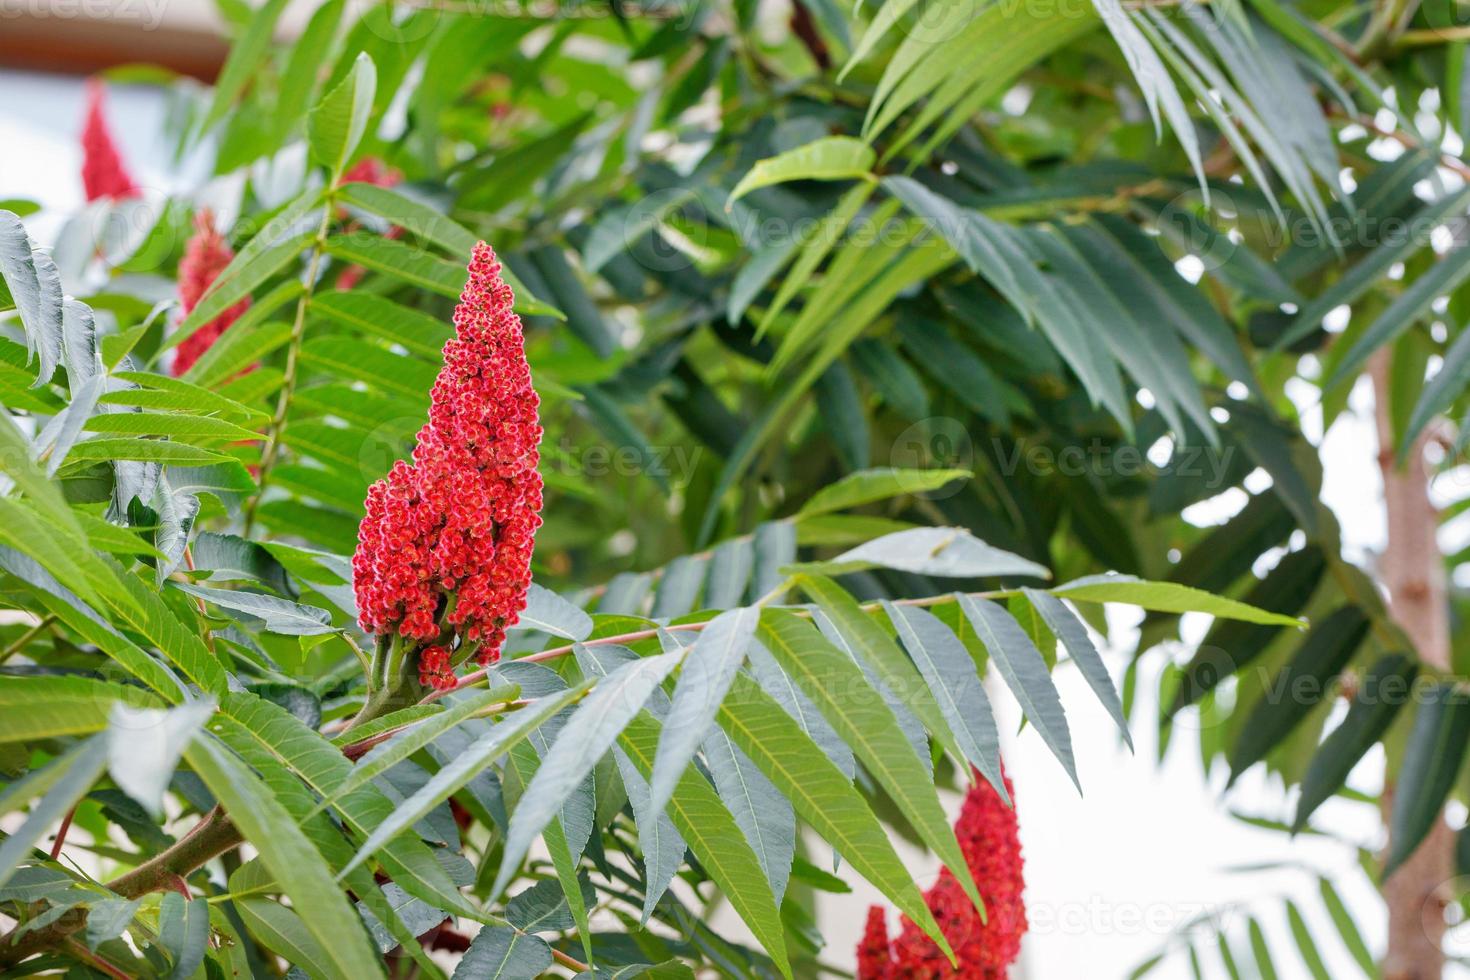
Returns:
<point x="1412" y="570"/>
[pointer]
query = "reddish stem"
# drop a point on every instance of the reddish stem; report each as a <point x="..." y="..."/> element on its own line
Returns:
<point x="61" y="833"/>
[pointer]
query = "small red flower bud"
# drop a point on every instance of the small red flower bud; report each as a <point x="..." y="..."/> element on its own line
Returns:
<point x="435" y="669"/>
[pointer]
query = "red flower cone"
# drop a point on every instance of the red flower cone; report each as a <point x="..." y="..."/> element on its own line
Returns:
<point x="103" y="172"/>
<point x="205" y="257"/>
<point x="444" y="551"/>
<point x="990" y="841"/>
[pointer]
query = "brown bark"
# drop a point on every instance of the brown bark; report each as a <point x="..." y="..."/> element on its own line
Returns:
<point x="1412" y="570"/>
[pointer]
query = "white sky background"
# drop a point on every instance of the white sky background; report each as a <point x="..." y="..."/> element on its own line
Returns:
<point x="1110" y="875"/>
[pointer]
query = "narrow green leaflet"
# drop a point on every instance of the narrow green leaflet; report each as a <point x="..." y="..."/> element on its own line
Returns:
<point x="67" y="780"/>
<point x="781" y="687"/>
<point x="550" y="613"/>
<point x="1305" y="944"/>
<point x="1154" y="79"/>
<point x="244" y="344"/>
<point x="300" y="79"/>
<point x="401" y="261"/>
<point x="109" y="919"/>
<point x="827" y="675"/>
<point x="730" y="566"/>
<point x="35" y="287"/>
<point x="230" y="287"/>
<point x="589" y="733"/>
<point x="1300" y="686"/>
<point x="283" y="932"/>
<point x="678" y="588"/>
<point x="814" y="249"/>
<point x="1073" y="634"/>
<point x="246" y="57"/>
<point x="1369" y="270"/>
<point x="50" y="707"/>
<point x="145" y="746"/>
<point x="419" y="735"/>
<point x="821" y="794"/>
<point x="1440" y="393"/>
<point x="1441" y="278"/>
<point x="158" y="391"/>
<point x="292" y="859"/>
<point x="1167" y="597"/>
<point x="1004" y="256"/>
<point x="413" y="216"/>
<point x="829" y="158"/>
<point x="503" y="953"/>
<point x="774" y="546"/>
<point x="25" y="529"/>
<point x="663" y="849"/>
<point x="1352" y="938"/>
<point x="985" y="244"/>
<point x="151" y="616"/>
<point x="39" y="489"/>
<point x="887" y="17"/>
<point x="174" y="425"/>
<point x="338" y="122"/>
<point x="950" y="672"/>
<point x="868" y="486"/>
<point x="1431" y="765"/>
<point x="391" y="374"/>
<point x="850" y="628"/>
<point x="62" y="432"/>
<point x="945" y="552"/>
<point x="144" y="451"/>
<point x="454" y="776"/>
<point x="709" y="670"/>
<point x="1025" y="673"/>
<point x="764" y="815"/>
<point x="715" y="841"/>
<point x="248" y="723"/>
<point x="274" y="615"/>
<point x="418" y="332"/>
<point x="1262" y="951"/>
<point x="183" y="930"/>
<point x="576" y="815"/>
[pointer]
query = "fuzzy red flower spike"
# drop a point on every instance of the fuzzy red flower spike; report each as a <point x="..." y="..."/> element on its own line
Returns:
<point x="205" y="256"/>
<point x="990" y="840"/>
<point x="445" y="547"/>
<point x="103" y="172"/>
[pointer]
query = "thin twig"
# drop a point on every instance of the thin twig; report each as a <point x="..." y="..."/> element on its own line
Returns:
<point x="362" y="658"/>
<point x="199" y="601"/>
<point x="94" y="960"/>
<point x="569" y="962"/>
<point x="61" y="833"/>
<point x="358" y="749"/>
<point x="1433" y="36"/>
<point x="25" y="638"/>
